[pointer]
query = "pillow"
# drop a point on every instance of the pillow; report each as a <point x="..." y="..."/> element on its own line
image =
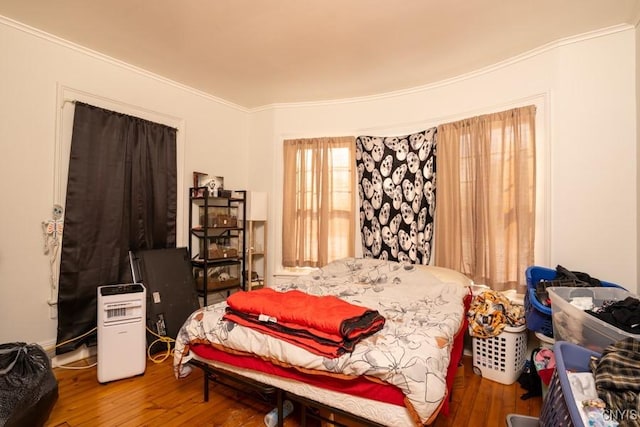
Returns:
<point x="447" y="275"/>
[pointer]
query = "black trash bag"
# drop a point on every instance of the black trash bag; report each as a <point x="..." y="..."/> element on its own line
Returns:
<point x="28" y="387"/>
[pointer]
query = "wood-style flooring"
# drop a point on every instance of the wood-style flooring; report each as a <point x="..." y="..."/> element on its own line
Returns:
<point x="158" y="399"/>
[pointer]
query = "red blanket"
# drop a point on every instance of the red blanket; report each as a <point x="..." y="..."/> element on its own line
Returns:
<point x="356" y="386"/>
<point x="324" y="325"/>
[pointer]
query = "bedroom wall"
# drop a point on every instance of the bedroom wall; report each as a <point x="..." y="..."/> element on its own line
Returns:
<point x="584" y="88"/>
<point x="212" y="134"/>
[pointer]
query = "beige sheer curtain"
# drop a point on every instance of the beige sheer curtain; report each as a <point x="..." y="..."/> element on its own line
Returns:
<point x="318" y="201"/>
<point x="485" y="197"/>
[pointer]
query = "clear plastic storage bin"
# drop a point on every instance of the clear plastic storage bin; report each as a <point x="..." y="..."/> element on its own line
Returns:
<point x="538" y="315"/>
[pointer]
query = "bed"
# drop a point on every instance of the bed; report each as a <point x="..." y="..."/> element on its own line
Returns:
<point x="401" y="375"/>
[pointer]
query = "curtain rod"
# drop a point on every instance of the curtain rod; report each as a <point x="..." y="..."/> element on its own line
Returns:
<point x="73" y="101"/>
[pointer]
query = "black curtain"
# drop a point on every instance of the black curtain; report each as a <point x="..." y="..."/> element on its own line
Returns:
<point x="121" y="196"/>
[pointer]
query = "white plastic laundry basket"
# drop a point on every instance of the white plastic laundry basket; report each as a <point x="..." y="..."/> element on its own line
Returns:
<point x="501" y="358"/>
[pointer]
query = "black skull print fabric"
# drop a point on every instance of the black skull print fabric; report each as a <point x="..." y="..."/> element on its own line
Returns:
<point x="396" y="186"/>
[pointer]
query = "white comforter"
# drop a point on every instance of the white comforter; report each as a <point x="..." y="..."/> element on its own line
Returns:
<point x="423" y="312"/>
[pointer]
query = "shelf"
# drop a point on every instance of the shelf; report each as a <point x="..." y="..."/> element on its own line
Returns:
<point x="217" y="241"/>
<point x="215" y="261"/>
<point x="218" y="286"/>
<point x="257" y="284"/>
<point x="257" y="258"/>
<point x="215" y="232"/>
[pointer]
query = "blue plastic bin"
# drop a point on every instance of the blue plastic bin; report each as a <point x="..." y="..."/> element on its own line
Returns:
<point x="559" y="407"/>
<point x="538" y="315"/>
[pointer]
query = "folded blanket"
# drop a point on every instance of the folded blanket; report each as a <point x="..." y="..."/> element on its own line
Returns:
<point x="324" y="325"/>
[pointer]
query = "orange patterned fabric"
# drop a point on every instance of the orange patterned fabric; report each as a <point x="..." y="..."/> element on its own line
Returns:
<point x="490" y="312"/>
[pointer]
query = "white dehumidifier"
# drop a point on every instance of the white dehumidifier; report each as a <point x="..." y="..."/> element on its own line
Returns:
<point x="121" y="331"/>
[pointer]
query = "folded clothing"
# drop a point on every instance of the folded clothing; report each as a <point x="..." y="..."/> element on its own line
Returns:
<point x="623" y="314"/>
<point x="325" y="325"/>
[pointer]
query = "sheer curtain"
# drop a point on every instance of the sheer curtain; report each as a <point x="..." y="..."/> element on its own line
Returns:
<point x="318" y="201"/>
<point x="121" y="195"/>
<point x="485" y="209"/>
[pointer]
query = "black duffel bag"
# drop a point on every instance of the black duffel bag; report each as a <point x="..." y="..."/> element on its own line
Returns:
<point x="28" y="387"/>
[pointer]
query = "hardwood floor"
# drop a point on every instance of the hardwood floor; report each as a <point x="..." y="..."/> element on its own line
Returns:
<point x="158" y="399"/>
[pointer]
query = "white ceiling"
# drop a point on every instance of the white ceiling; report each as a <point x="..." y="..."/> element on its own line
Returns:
<point x="259" y="52"/>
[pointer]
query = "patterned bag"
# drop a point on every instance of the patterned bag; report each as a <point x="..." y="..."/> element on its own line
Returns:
<point x="529" y="379"/>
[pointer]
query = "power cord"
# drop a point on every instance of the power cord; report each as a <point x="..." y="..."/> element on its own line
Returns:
<point x="167" y="354"/>
<point x="72" y="340"/>
<point x="154" y="358"/>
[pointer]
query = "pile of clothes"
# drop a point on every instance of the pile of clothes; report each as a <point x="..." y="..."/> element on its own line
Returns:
<point x="623" y="314"/>
<point x="564" y="277"/>
<point x="537" y="372"/>
<point x="324" y="325"/>
<point x="609" y="395"/>
<point x="490" y="312"/>
<point x="618" y="382"/>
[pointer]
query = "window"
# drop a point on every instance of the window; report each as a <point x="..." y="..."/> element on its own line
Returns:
<point x="485" y="209"/>
<point x="318" y="201"/>
<point x="131" y="163"/>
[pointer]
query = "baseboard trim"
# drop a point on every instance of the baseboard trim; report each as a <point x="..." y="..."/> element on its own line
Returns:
<point x="81" y="353"/>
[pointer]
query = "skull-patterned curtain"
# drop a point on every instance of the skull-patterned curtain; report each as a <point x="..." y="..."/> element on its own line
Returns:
<point x="396" y="185"/>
